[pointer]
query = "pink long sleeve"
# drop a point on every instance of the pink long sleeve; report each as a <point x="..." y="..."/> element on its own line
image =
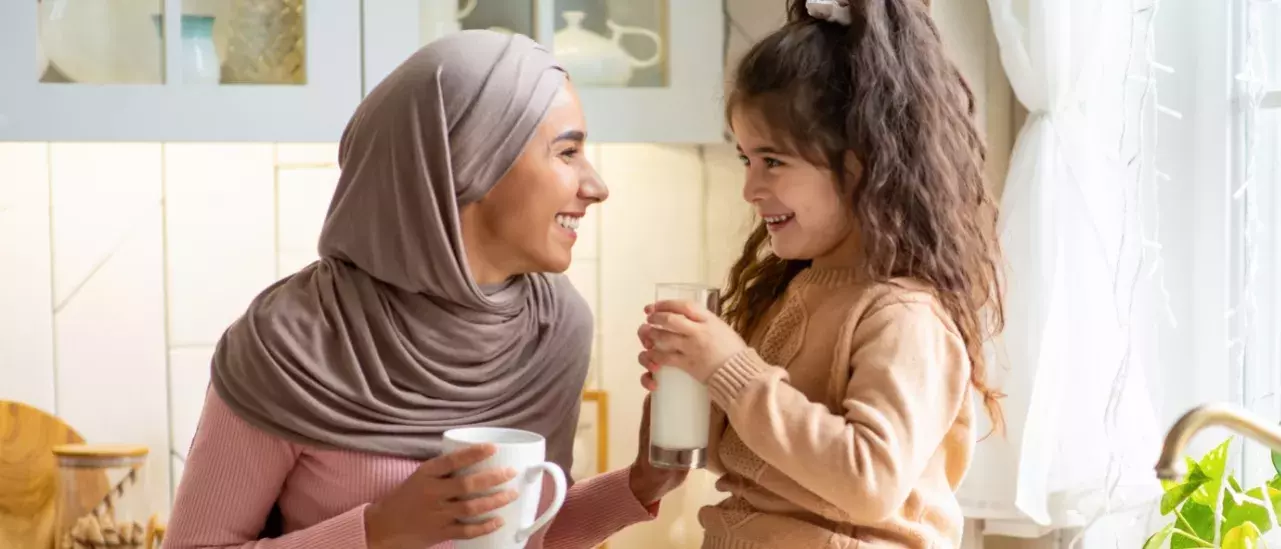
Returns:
<point x="236" y="473"/>
<point x="233" y="476"/>
<point x="594" y="510"/>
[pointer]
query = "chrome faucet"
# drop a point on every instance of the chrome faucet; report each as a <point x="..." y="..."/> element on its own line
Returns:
<point x="1171" y="466"/>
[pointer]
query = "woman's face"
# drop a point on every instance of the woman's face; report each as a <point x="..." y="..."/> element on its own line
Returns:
<point x="527" y="223"/>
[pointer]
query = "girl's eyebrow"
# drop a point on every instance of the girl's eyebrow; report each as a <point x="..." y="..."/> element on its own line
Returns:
<point x="762" y="150"/>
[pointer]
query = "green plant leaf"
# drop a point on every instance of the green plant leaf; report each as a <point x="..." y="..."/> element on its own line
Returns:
<point x="1248" y="509"/>
<point x="1214" y="462"/>
<point x="1180" y="491"/>
<point x="1181" y="539"/>
<point x="1212" y="465"/>
<point x="1233" y="484"/>
<point x="1157" y="540"/>
<point x="1196" y="519"/>
<point x="1245" y="536"/>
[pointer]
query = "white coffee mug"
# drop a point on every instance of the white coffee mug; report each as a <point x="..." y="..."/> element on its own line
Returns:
<point x="526" y="453"/>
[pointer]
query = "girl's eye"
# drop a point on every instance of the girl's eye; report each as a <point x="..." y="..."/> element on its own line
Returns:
<point x="569" y="154"/>
<point x="769" y="162"/>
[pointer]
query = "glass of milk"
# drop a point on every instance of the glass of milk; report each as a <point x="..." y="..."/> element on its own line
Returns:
<point x="680" y="407"/>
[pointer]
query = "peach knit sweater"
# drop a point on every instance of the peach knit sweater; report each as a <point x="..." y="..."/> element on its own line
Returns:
<point x="848" y="424"/>
<point x="236" y="473"/>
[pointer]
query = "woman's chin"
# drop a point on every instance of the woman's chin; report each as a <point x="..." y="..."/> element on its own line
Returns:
<point x="557" y="261"/>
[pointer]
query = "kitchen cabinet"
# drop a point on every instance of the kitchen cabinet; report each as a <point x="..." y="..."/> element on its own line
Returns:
<point x="647" y="70"/>
<point x="294" y="70"/>
<point x="236" y="70"/>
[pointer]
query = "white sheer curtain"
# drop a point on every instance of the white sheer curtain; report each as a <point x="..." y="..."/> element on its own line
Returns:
<point x="1081" y="428"/>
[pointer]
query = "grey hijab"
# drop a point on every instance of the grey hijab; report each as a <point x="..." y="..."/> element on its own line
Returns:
<point x="387" y="341"/>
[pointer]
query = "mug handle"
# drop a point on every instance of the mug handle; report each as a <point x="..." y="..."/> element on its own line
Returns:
<point x="558" y="479"/>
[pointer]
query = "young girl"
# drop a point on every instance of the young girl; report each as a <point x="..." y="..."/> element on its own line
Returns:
<point x="843" y="371"/>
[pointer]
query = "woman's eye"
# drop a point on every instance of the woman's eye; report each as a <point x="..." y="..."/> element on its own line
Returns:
<point x="743" y="158"/>
<point x="772" y="162"/>
<point x="569" y="154"/>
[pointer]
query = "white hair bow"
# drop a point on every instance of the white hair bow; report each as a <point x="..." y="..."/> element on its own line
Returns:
<point x="836" y="11"/>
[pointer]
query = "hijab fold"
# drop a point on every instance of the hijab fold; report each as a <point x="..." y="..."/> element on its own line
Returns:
<point x="387" y="341"/>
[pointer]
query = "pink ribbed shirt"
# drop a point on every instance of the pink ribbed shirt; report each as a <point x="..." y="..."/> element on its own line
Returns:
<point x="235" y="473"/>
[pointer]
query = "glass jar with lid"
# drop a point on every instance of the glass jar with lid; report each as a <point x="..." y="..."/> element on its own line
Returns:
<point x="102" y="501"/>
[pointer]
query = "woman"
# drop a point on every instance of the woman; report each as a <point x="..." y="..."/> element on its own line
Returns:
<point x="462" y="180"/>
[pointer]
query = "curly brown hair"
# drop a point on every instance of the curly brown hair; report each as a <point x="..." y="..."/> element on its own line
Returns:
<point x="883" y="89"/>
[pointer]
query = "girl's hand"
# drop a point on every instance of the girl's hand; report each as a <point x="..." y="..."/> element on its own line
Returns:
<point x="687" y="336"/>
<point x="428" y="508"/>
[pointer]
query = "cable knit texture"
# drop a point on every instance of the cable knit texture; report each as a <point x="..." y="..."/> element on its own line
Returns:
<point x="236" y="473"/>
<point x="848" y="423"/>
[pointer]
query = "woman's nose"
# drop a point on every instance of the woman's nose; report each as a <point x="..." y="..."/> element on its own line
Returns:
<point x="591" y="187"/>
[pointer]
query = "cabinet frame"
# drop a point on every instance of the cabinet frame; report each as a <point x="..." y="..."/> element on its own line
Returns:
<point x="688" y="110"/>
<point x="316" y="111"/>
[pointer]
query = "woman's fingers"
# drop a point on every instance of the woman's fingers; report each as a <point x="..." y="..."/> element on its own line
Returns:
<point x="471" y="531"/>
<point x="442" y="466"/>
<point x="477" y="483"/>
<point x="478" y="506"/>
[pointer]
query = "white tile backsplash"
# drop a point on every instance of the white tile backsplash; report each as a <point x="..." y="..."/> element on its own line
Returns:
<point x="110" y="344"/>
<point x="302" y="200"/>
<point x="103" y="195"/>
<point x="26" y="294"/>
<point x="219" y="220"/>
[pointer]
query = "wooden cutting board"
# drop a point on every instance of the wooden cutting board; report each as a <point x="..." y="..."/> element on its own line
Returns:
<point x="28" y="474"/>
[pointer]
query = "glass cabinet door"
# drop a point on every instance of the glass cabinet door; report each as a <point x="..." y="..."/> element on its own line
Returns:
<point x="270" y="70"/>
<point x="645" y="72"/>
<point x="218" y="42"/>
<point x="610" y="43"/>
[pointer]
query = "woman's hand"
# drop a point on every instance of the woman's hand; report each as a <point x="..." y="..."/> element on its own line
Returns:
<point x="426" y="509"/>
<point x="648" y="482"/>
<point x="686" y="336"/>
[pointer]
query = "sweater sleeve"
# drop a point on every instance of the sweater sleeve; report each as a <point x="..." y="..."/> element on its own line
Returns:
<point x="232" y="479"/>
<point x="715" y="431"/>
<point x="909" y="381"/>
<point x="594" y="510"/>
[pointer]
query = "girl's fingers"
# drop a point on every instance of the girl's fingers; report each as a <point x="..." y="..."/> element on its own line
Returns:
<point x="672" y="323"/>
<point x="645" y="359"/>
<point x="647" y="381"/>
<point x="687" y="309"/>
<point x="659" y="358"/>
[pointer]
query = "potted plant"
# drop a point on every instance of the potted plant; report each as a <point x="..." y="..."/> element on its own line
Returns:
<point x="1193" y="506"/>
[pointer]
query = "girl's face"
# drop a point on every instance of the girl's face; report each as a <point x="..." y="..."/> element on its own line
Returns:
<point x="798" y="201"/>
<point x="527" y="223"/>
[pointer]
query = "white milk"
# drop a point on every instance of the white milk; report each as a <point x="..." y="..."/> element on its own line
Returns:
<point x="680" y="405"/>
<point x="679" y="411"/>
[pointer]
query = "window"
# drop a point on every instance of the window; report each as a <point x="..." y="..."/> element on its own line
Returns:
<point x="1256" y="219"/>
